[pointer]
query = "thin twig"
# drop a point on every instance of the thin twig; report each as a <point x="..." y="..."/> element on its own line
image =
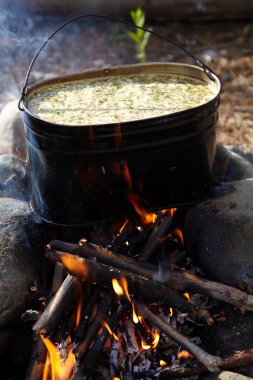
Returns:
<point x="211" y="362"/>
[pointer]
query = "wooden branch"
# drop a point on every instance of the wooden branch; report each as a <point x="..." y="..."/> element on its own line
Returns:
<point x="212" y="363"/>
<point x="88" y="365"/>
<point x="86" y="313"/>
<point x="58" y="304"/>
<point x="37" y="363"/>
<point x="222" y="292"/>
<point x="237" y="360"/>
<point x="155" y="239"/>
<point x="59" y="275"/>
<point x="94" y="326"/>
<point x="103" y="275"/>
<point x="178" y="280"/>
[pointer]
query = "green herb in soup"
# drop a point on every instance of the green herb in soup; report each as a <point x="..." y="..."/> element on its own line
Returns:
<point x="118" y="99"/>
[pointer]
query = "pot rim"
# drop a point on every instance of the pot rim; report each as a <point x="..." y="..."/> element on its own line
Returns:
<point x="116" y="71"/>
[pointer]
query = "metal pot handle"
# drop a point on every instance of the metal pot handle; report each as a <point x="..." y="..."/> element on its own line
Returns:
<point x="23" y="91"/>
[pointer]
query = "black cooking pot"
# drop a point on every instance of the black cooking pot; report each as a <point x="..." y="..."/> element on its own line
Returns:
<point x="84" y="173"/>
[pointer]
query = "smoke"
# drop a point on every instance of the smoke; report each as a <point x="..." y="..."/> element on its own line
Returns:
<point x="19" y="41"/>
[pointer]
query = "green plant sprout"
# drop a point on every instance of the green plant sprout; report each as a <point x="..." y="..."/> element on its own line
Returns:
<point x="140" y="37"/>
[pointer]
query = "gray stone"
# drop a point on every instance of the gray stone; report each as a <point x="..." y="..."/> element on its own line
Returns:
<point x="21" y="244"/>
<point x="13" y="178"/>
<point x="12" y="130"/>
<point x="229" y="165"/>
<point x="219" y="234"/>
<point x="225" y="375"/>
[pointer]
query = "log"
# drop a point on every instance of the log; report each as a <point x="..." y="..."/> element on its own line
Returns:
<point x="155" y="239"/>
<point x="58" y="305"/>
<point x="94" y="326"/>
<point x="211" y="362"/>
<point x="103" y="274"/>
<point x="38" y="359"/>
<point x="88" y="365"/>
<point x="177" y="280"/>
<point x="39" y="353"/>
<point x="236" y="360"/>
<point x="87" y="313"/>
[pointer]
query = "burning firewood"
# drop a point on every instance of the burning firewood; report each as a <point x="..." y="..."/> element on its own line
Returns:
<point x="237" y="360"/>
<point x="103" y="274"/>
<point x="58" y="305"/>
<point x="94" y="326"/>
<point x="177" y="280"/>
<point x="212" y="363"/>
<point x="87" y="365"/>
<point x="132" y="340"/>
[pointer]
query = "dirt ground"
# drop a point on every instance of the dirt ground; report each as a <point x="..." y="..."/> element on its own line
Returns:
<point x="227" y="47"/>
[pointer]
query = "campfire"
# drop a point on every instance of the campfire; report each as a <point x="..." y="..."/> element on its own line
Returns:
<point x="127" y="310"/>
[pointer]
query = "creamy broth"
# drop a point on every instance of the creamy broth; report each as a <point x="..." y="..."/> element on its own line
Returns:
<point x="118" y="99"/>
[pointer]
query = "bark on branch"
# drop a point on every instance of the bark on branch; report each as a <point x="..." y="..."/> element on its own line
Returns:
<point x="177" y="280"/>
<point x="211" y="362"/>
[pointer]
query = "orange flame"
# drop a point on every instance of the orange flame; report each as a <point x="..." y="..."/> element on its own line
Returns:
<point x="178" y="233"/>
<point x="156" y="338"/>
<point x="171" y="312"/>
<point x="122" y="289"/>
<point x="46" y="368"/>
<point x="105" y="324"/>
<point x="184" y="355"/>
<point x="134" y="199"/>
<point x="125" y="288"/>
<point x="127" y="176"/>
<point x="146" y="217"/>
<point x="146" y="326"/>
<point x="123" y="227"/>
<point x="163" y="363"/>
<point x="75" y="265"/>
<point x="60" y="369"/>
<point x="117" y="288"/>
<point x="79" y="303"/>
<point x="172" y="212"/>
<point x="187" y="296"/>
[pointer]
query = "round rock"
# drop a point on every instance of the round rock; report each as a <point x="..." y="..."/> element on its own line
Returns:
<point x="230" y="165"/>
<point x="22" y="240"/>
<point x="219" y="234"/>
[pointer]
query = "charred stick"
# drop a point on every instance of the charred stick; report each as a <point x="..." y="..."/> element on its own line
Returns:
<point x="94" y="326"/>
<point x="86" y="313"/>
<point x="37" y="363"/>
<point x="58" y="304"/>
<point x="139" y="240"/>
<point x="178" y="280"/>
<point x="237" y="360"/>
<point x="59" y="275"/>
<point x="103" y="255"/>
<point x="38" y="358"/>
<point x="119" y="241"/>
<point x="222" y="292"/>
<point x="103" y="275"/>
<point x="212" y="363"/>
<point x="88" y="365"/>
<point x="155" y="239"/>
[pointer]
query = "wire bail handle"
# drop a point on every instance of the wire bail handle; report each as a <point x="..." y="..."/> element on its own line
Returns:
<point x="24" y="88"/>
